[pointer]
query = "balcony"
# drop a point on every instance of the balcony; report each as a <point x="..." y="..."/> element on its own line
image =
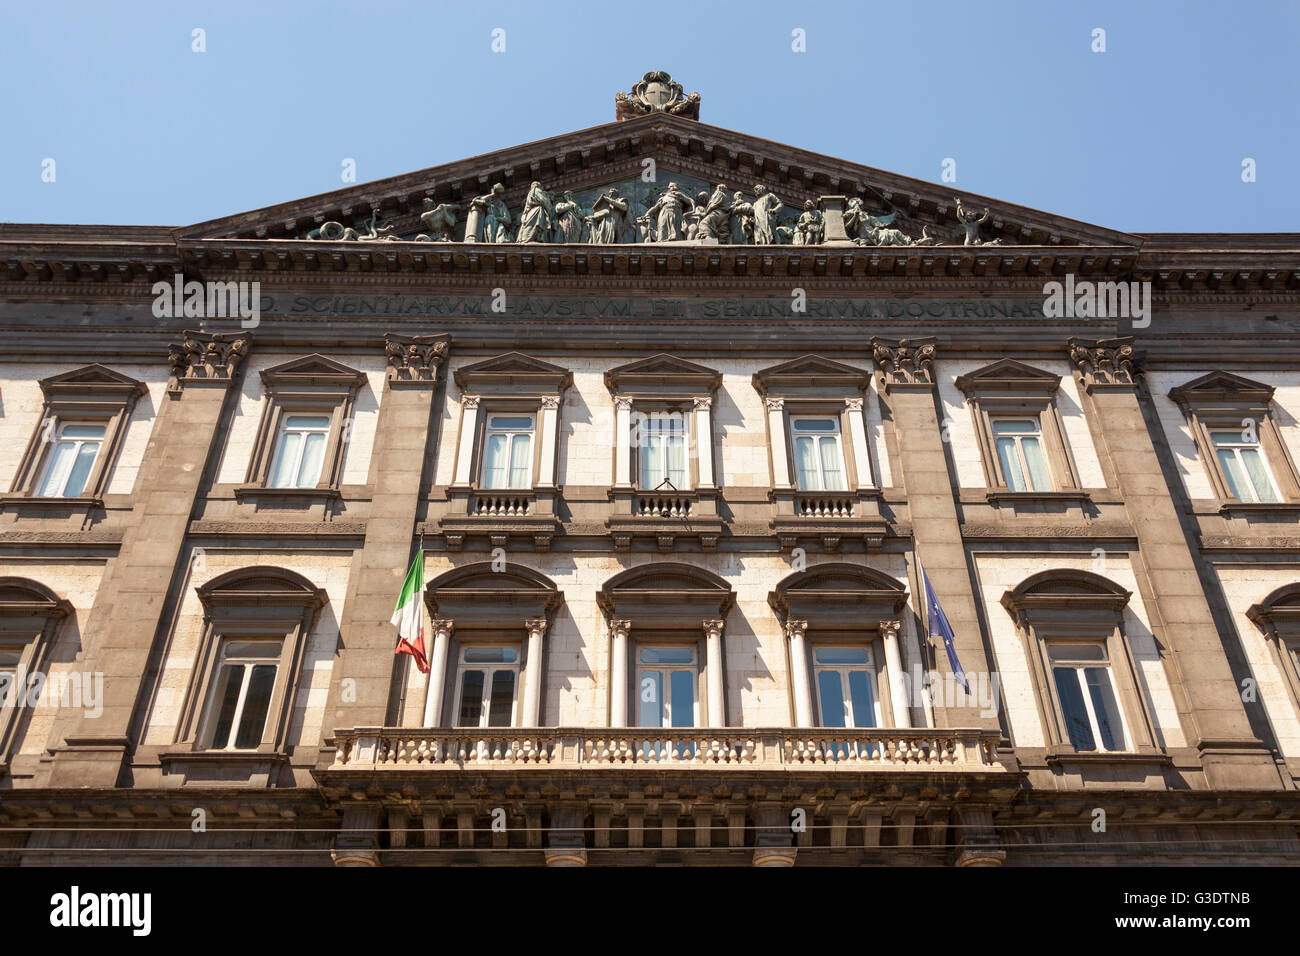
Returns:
<point x="603" y="749"/>
<point x="664" y="516"/>
<point x="828" y="515"/>
<point x="500" y="514"/>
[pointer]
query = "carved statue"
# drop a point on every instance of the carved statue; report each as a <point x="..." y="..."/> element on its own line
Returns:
<point x="667" y="213"/>
<point x="715" y="220"/>
<point x="743" y="213"/>
<point x="609" y="218"/>
<point x="373" y="233"/>
<point x="568" y="220"/>
<point x="332" y="232"/>
<point x="439" y="219"/>
<point x="488" y="219"/>
<point x="766" y="205"/>
<point x="692" y="218"/>
<point x="970" y="222"/>
<point x="808" y="230"/>
<point x="537" y="219"/>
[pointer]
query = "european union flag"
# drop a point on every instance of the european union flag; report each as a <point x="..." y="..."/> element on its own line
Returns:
<point x="939" y="626"/>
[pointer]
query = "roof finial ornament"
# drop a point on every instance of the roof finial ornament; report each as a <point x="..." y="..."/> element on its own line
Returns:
<point x="657" y="92"/>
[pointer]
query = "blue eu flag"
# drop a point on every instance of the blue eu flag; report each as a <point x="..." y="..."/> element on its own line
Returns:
<point x="939" y="627"/>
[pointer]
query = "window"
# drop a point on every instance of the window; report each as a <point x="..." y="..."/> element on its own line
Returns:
<point x="1019" y="444"/>
<point x="77" y="437"/>
<point x="70" y="460"/>
<point x="241" y="694"/>
<point x="486" y="683"/>
<point x="1245" y="470"/>
<point x="846" y="687"/>
<point x="819" y="459"/>
<point x="1086" y="690"/>
<point x="508" y="456"/>
<point x="666" y="683"/>
<point x="299" y="451"/>
<point x="661" y="449"/>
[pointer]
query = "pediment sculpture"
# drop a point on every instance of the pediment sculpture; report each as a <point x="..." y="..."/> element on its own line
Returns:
<point x="656" y="92"/>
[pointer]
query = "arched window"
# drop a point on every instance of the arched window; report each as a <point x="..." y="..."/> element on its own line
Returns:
<point x="29" y="616"/>
<point x="1083" y="671"/>
<point x="1278" y="616"/>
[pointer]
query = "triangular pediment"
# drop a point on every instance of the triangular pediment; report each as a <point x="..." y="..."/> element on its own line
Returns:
<point x="810" y="372"/>
<point x="662" y="372"/>
<point x="1222" y="385"/>
<point x="1009" y="375"/>
<point x="696" y="156"/>
<point x="312" y="369"/>
<point x="89" y="378"/>
<point x="513" y="368"/>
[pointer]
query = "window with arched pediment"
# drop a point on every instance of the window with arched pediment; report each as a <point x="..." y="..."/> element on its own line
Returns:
<point x="30" y="615"/>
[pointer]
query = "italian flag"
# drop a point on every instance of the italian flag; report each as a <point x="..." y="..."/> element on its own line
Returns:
<point x="408" y="616"/>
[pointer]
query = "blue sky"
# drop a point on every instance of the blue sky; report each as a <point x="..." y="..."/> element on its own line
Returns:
<point x="1148" y="136"/>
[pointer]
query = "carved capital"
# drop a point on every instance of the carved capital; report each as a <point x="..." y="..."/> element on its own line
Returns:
<point x="906" y="361"/>
<point x="414" y="359"/>
<point x="795" y="629"/>
<point x="206" y="357"/>
<point x="469" y="401"/>
<point x="713" y="629"/>
<point x="890" y="629"/>
<point x="550" y="401"/>
<point x="703" y="403"/>
<point x="621" y="627"/>
<point x="536" y="626"/>
<point x="1105" y="363"/>
<point x="774" y="404"/>
<point x="443" y="626"/>
<point x="623" y="403"/>
<point x="853" y="404"/>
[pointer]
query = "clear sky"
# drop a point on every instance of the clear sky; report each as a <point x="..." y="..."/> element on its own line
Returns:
<point x="1148" y="136"/>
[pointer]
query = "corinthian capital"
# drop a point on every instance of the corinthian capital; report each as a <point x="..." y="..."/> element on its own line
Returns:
<point x="1105" y="363"/>
<point x="906" y="361"/>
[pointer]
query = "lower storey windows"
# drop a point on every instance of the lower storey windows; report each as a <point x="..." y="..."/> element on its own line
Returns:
<point x="1086" y="689"/>
<point x="242" y="694"/>
<point x="846" y="687"/>
<point x="487" y="678"/>
<point x="666" y="683"/>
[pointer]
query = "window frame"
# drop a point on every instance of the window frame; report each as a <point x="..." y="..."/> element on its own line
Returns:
<point x="693" y="667"/>
<point x="207" y="730"/>
<point x="90" y="395"/>
<point x="646" y="411"/>
<point x="1221" y="401"/>
<point x="794" y="417"/>
<point x="1236" y="448"/>
<point x="489" y="409"/>
<point x="874" y="669"/>
<point x="1017" y="438"/>
<point x="30" y="617"/>
<point x="1078" y="668"/>
<point x="310" y="385"/>
<point x="460" y="666"/>
<point x="1078" y="607"/>
<point x="250" y="604"/>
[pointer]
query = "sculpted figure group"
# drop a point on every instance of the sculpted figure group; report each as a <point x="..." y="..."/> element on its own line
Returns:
<point x="723" y="216"/>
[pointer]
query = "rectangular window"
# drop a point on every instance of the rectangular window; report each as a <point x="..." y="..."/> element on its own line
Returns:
<point x="1019" y="443"/>
<point x="508" y="455"/>
<point x="486" y="681"/>
<point x="1087" y="691"/>
<point x="1244" y="469"/>
<point x="846" y="686"/>
<point x="661" y="449"/>
<point x="666" y="681"/>
<point x="71" y="459"/>
<point x="818" y="456"/>
<point x="299" y="451"/>
<point x="241" y="694"/>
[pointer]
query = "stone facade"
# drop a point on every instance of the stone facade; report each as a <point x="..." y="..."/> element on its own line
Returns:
<point x="1136" y="526"/>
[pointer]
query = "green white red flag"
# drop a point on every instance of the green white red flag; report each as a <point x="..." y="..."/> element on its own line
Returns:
<point x="409" y="616"/>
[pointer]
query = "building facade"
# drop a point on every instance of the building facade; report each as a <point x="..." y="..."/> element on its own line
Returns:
<point x="675" y="453"/>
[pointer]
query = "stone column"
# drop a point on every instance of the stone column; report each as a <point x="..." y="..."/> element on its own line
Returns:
<point x="1213" y="715"/>
<point x="717" y="677"/>
<point x="531" y="713"/>
<point x="704" y="440"/>
<point x="623" y="441"/>
<point x="858" y="436"/>
<point x="776" y="434"/>
<point x="618" y="676"/>
<point x="909" y="387"/>
<point x="800" y="679"/>
<point x="549" y="420"/>
<point x="402" y="435"/>
<point x="468" y="429"/>
<point x="442" y="631"/>
<point x="132" y="606"/>
<point x="894" y="666"/>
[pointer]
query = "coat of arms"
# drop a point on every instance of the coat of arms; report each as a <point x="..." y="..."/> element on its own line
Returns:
<point x="657" y="92"/>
